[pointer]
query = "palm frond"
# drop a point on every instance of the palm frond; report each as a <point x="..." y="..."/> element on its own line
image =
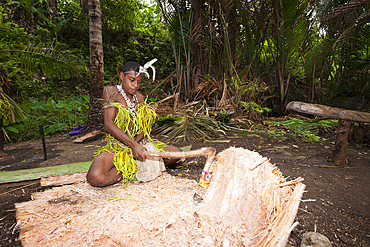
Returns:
<point x="189" y="128"/>
<point x="166" y="120"/>
<point x="12" y="111"/>
<point x="51" y="61"/>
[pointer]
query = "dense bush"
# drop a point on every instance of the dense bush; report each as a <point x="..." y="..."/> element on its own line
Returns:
<point x="55" y="116"/>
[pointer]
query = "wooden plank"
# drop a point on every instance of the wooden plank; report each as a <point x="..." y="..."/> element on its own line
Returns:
<point x="89" y="137"/>
<point x="328" y="112"/>
<point x="63" y="179"/>
<point x="36" y="173"/>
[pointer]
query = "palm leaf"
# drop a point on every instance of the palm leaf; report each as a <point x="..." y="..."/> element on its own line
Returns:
<point x="16" y="113"/>
<point x="188" y="128"/>
<point x="50" y="60"/>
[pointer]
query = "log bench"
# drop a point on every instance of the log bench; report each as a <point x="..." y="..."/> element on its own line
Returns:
<point x="344" y="116"/>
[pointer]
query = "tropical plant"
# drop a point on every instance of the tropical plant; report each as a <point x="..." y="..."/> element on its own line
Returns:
<point x="344" y="65"/>
<point x="32" y="68"/>
<point x="51" y="61"/>
<point x="255" y="110"/>
<point x="178" y="17"/>
<point x="63" y="115"/>
<point x="287" y="41"/>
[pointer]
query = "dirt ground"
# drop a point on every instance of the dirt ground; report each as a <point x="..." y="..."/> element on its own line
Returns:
<point x="338" y="197"/>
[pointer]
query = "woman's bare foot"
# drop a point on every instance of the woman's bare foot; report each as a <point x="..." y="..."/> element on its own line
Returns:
<point x="3" y="154"/>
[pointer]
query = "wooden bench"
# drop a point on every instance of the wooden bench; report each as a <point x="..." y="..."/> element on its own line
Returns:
<point x="344" y="116"/>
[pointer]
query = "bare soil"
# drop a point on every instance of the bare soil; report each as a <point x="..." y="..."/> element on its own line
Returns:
<point x="338" y="197"/>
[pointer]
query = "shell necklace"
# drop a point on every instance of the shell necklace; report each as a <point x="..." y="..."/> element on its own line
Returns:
<point x="130" y="105"/>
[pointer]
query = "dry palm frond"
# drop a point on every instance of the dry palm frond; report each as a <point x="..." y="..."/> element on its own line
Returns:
<point x="207" y="88"/>
<point x="345" y="19"/>
<point x="194" y="108"/>
<point x="188" y="128"/>
<point x="342" y="12"/>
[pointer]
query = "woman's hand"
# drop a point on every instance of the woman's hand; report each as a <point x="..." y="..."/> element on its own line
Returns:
<point x="137" y="152"/>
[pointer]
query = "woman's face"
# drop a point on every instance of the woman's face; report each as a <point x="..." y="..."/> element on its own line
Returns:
<point x="130" y="82"/>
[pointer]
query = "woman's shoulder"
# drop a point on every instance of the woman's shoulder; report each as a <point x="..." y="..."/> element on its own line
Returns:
<point x="111" y="93"/>
<point x="111" y="89"/>
<point x="140" y="98"/>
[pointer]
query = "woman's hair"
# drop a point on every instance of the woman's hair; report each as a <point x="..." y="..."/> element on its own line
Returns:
<point x="131" y="66"/>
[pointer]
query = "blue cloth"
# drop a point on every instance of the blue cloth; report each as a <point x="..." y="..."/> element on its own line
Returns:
<point x="77" y="130"/>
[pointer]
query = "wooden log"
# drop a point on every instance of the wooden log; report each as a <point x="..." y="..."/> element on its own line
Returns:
<point x="329" y="112"/>
<point x="340" y="145"/>
<point x="63" y="179"/>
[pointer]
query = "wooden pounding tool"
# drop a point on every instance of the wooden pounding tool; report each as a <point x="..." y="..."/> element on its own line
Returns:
<point x="208" y="152"/>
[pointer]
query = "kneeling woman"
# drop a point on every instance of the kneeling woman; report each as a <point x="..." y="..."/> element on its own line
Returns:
<point x="128" y="120"/>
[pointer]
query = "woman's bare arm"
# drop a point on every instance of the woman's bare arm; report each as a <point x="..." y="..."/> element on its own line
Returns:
<point x="110" y="94"/>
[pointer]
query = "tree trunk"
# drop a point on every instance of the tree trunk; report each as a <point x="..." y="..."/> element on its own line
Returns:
<point x="232" y="16"/>
<point x="95" y="118"/>
<point x="198" y="14"/>
<point x="341" y="140"/>
<point x="312" y="80"/>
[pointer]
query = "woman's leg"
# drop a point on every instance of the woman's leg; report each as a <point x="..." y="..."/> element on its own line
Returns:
<point x="170" y="148"/>
<point x="102" y="171"/>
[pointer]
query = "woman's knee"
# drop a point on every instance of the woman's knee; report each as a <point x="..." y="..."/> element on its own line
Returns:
<point x="95" y="178"/>
<point x="170" y="148"/>
<point x="99" y="169"/>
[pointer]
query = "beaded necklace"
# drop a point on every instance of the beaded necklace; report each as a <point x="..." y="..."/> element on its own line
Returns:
<point x="130" y="105"/>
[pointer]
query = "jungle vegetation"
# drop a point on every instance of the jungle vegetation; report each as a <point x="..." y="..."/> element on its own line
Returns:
<point x="255" y="55"/>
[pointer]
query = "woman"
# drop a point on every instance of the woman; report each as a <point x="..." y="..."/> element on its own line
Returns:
<point x="128" y="120"/>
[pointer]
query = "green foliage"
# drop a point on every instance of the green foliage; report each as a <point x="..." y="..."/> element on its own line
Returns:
<point x="51" y="61"/>
<point x="38" y="69"/>
<point x="12" y="38"/>
<point x="307" y="130"/>
<point x="152" y="100"/>
<point x="224" y="116"/>
<point x="307" y="136"/>
<point x="254" y="107"/>
<point x="277" y="134"/>
<point x="131" y="32"/>
<point x="54" y="27"/>
<point x="63" y="115"/>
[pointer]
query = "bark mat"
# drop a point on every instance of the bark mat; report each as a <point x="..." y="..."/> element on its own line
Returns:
<point x="247" y="203"/>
